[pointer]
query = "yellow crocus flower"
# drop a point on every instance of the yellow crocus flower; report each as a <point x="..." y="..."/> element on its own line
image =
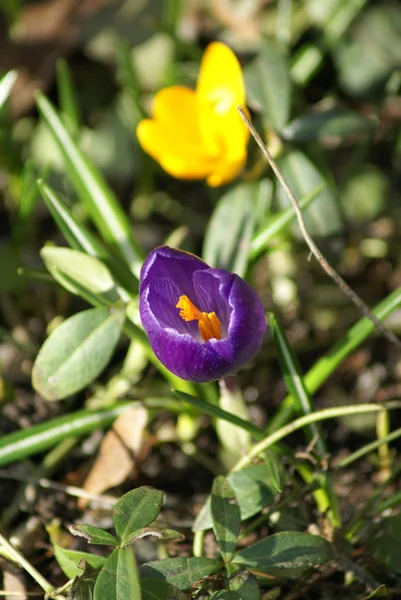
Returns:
<point x="200" y="134"/>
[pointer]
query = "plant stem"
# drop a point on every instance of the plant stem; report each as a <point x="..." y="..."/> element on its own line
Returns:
<point x="321" y="415"/>
<point x="368" y="448"/>
<point x="21" y="560"/>
<point x="219" y="413"/>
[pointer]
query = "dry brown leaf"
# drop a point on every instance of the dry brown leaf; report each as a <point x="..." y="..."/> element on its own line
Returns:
<point x="117" y="453"/>
<point x="13" y="584"/>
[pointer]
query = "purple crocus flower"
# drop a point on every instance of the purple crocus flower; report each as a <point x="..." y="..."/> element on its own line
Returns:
<point x="203" y="324"/>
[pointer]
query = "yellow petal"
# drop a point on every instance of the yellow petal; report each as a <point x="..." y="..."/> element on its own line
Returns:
<point x="220" y="80"/>
<point x="173" y="155"/>
<point x="225" y="171"/>
<point x="219" y="91"/>
<point x="176" y="108"/>
<point x="172" y="137"/>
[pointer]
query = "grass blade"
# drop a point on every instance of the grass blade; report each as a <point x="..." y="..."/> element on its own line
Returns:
<point x="297" y="387"/>
<point x="326" y="365"/>
<point x="27" y="442"/>
<point x="99" y="200"/>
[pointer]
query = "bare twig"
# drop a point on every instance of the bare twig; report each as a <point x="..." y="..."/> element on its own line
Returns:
<point x="344" y="287"/>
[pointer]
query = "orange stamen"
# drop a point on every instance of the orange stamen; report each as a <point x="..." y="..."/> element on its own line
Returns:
<point x="208" y="323"/>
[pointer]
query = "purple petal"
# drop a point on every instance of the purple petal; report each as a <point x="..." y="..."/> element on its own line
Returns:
<point x="172" y="264"/>
<point x="181" y="353"/>
<point x="247" y="322"/>
<point x="162" y="296"/>
<point x="207" y="286"/>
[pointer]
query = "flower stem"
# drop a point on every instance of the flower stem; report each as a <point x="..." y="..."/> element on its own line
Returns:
<point x="219" y="413"/>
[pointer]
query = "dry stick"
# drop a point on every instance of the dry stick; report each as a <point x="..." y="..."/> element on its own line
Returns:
<point x="344" y="287"/>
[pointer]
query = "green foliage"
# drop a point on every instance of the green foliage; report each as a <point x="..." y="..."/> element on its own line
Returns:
<point x="322" y="83"/>
<point x="76" y="352"/>
<point x="226" y="517"/>
<point x="285" y="554"/>
<point x="136" y="510"/>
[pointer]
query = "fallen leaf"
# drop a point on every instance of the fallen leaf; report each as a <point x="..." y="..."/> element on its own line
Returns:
<point x="117" y="454"/>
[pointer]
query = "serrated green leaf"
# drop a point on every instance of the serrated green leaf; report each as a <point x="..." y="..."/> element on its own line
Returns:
<point x="268" y="84"/>
<point x="253" y="489"/>
<point x="85" y="270"/>
<point x="68" y="560"/>
<point x="136" y="510"/>
<point x="335" y="122"/>
<point x="286" y="554"/>
<point x="181" y="572"/>
<point x="76" y="352"/>
<point x="94" y="535"/>
<point x="226" y="517"/>
<point x="231" y="227"/>
<point x="322" y="217"/>
<point x="118" y="579"/>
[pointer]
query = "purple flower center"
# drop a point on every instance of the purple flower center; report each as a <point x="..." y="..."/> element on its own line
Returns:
<point x="208" y="322"/>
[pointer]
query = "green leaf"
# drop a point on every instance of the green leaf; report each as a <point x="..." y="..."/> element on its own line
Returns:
<point x="158" y="589"/>
<point x="6" y="84"/>
<point x="69" y="559"/>
<point x="118" y="579"/>
<point x="181" y="572"/>
<point x="67" y="99"/>
<point x="87" y="271"/>
<point x="322" y="217"/>
<point x="226" y="517"/>
<point x="231" y="226"/>
<point x="268" y="84"/>
<point x="253" y="489"/>
<point x="335" y="122"/>
<point x="76" y="352"/>
<point x="77" y="236"/>
<point x="26" y="442"/>
<point x="94" y="535"/>
<point x="286" y="554"/>
<point x="80" y="238"/>
<point x="371" y="51"/>
<point x="82" y="586"/>
<point x="136" y="510"/>
<point x="99" y="200"/>
<point x="225" y="595"/>
<point x="276" y="470"/>
<point x="159" y="533"/>
<point x="385" y="545"/>
<point x="245" y="585"/>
